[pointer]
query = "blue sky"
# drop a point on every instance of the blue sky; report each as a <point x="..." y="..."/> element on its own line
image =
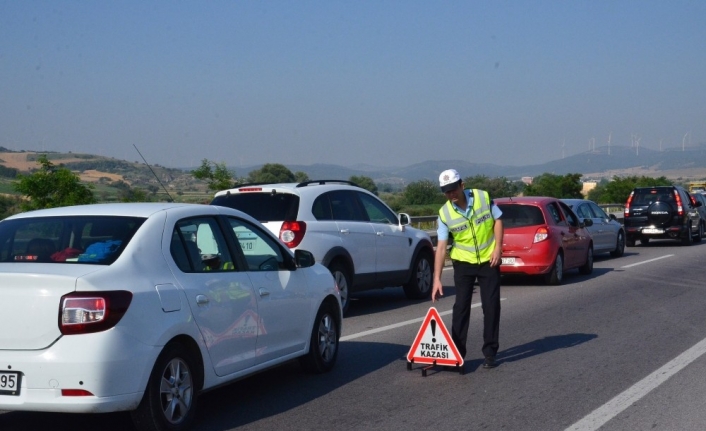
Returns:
<point x="384" y="83"/>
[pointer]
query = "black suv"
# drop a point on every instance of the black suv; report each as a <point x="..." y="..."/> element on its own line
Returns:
<point x="662" y="212"/>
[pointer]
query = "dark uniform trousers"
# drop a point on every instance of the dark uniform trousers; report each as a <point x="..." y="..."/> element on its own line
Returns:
<point x="465" y="275"/>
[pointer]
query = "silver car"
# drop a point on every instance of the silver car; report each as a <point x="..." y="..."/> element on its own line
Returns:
<point x="607" y="232"/>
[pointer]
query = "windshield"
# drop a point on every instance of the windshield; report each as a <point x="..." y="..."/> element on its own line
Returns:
<point x="93" y="240"/>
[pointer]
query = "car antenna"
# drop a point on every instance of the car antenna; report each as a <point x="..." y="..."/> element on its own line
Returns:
<point x="153" y="173"/>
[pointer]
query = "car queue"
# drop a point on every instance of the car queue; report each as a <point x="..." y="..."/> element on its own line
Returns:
<point x="223" y="296"/>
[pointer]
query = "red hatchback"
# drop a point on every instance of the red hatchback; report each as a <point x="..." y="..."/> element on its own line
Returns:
<point x="543" y="236"/>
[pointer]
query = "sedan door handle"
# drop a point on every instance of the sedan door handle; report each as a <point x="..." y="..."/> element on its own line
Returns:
<point x="201" y="299"/>
<point x="263" y="292"/>
<point x="345" y="231"/>
<point x="381" y="233"/>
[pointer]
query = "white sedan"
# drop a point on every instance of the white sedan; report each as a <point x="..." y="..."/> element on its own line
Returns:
<point x="139" y="307"/>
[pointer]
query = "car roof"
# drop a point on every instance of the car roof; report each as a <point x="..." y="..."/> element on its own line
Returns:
<point x="526" y="200"/>
<point x="125" y="209"/>
<point x="575" y="201"/>
<point x="314" y="186"/>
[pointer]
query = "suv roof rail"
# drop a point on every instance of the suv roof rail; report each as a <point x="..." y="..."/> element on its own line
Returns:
<point x="320" y="182"/>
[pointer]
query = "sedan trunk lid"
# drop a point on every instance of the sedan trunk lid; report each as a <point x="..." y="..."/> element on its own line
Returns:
<point x="30" y="296"/>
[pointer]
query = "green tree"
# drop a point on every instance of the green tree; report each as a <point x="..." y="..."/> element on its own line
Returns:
<point x="9" y="205"/>
<point x="423" y="192"/>
<point x="300" y="176"/>
<point x="272" y="173"/>
<point x="365" y="182"/>
<point x="558" y="186"/>
<point x="216" y="175"/>
<point x="52" y="186"/>
<point x="126" y="193"/>
<point x="618" y="190"/>
<point x="496" y="187"/>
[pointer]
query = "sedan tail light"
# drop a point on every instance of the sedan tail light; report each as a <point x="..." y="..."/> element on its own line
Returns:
<point x="292" y="233"/>
<point x="541" y="234"/>
<point x="87" y="312"/>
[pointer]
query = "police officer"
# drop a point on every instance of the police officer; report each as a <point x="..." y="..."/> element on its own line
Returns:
<point x="473" y="220"/>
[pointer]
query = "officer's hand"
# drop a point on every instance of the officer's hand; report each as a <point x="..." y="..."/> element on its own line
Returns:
<point x="438" y="289"/>
<point x="496" y="257"/>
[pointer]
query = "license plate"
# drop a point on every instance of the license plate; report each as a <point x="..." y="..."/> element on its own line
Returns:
<point x="247" y="240"/>
<point x="508" y="260"/>
<point x="247" y="245"/>
<point x="652" y="230"/>
<point x="10" y="383"/>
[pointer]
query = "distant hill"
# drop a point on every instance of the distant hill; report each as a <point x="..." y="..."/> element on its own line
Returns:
<point x="604" y="162"/>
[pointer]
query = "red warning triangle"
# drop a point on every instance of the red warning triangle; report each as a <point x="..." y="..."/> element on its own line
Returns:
<point x="433" y="344"/>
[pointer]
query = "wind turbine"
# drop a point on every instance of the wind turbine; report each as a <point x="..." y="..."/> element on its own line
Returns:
<point x="609" y="136"/>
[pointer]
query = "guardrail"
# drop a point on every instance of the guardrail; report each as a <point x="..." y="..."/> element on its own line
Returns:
<point x="617" y="210"/>
<point x="422" y="222"/>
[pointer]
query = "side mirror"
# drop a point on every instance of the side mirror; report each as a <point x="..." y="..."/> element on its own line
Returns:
<point x="587" y="222"/>
<point x="304" y="258"/>
<point x="404" y="219"/>
<point x="613" y="217"/>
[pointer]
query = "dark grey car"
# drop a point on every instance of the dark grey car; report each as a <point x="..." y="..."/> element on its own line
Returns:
<point x="665" y="212"/>
<point x="607" y="232"/>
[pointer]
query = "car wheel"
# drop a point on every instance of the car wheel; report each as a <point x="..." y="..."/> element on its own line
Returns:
<point x="644" y="241"/>
<point x="420" y="284"/>
<point x="587" y="267"/>
<point x="169" y="402"/>
<point x="556" y="275"/>
<point x="343" y="281"/>
<point x="700" y="235"/>
<point x="619" y="245"/>
<point x="688" y="239"/>
<point x="323" y="346"/>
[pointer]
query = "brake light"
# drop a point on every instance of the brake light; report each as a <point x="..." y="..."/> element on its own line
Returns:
<point x="680" y="208"/>
<point x="292" y="233"/>
<point x="250" y="189"/>
<point x="541" y="234"/>
<point x="75" y="393"/>
<point x="88" y="312"/>
<point x="627" y="205"/>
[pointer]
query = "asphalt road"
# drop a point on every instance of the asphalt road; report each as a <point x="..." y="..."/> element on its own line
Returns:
<point x="620" y="349"/>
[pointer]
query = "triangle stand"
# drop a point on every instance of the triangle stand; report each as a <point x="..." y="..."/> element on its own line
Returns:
<point x="433" y="347"/>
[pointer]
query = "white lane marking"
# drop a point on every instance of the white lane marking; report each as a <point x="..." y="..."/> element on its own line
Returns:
<point x="612" y="408"/>
<point x="398" y="325"/>
<point x="647" y="261"/>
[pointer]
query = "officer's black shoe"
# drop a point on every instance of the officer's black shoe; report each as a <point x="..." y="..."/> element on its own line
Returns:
<point x="489" y="362"/>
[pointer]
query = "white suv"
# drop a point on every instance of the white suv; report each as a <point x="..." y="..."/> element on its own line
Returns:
<point x="349" y="230"/>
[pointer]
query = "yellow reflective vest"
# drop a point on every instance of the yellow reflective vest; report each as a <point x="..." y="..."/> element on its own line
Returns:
<point x="474" y="237"/>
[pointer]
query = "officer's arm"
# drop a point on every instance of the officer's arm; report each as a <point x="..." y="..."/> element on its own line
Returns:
<point x="498" y="231"/>
<point x="439" y="260"/>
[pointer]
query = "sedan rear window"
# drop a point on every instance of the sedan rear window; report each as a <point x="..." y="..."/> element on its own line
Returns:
<point x="515" y="215"/>
<point x="85" y="239"/>
<point x="264" y="207"/>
